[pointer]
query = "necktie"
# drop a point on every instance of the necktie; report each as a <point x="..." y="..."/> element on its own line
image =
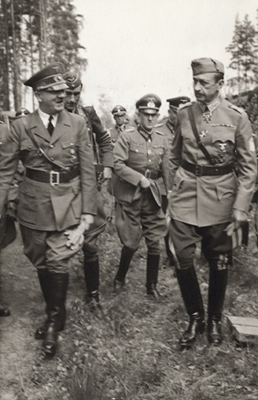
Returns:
<point x="50" y="126"/>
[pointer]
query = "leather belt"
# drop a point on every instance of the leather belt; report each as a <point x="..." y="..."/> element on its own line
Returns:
<point x="52" y="177"/>
<point x="200" y="170"/>
<point x="151" y="174"/>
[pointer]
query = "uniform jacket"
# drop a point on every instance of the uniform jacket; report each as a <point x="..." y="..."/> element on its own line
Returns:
<point x="115" y="132"/>
<point x="102" y="137"/>
<point x="134" y="154"/>
<point x="43" y="206"/>
<point x="167" y="129"/>
<point x="208" y="200"/>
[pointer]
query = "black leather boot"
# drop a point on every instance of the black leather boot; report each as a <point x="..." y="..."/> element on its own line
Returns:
<point x="152" y="275"/>
<point x="125" y="260"/>
<point x="217" y="290"/>
<point x="4" y="311"/>
<point x="57" y="313"/>
<point x="44" y="284"/>
<point x="91" y="274"/>
<point x="191" y="294"/>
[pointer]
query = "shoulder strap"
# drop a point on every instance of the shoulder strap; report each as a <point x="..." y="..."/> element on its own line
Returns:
<point x="40" y="150"/>
<point x="196" y="134"/>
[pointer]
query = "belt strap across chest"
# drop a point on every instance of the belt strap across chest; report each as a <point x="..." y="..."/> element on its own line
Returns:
<point x="200" y="170"/>
<point x="52" y="177"/>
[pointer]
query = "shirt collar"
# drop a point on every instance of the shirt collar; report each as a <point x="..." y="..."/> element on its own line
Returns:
<point x="212" y="105"/>
<point x="45" y="118"/>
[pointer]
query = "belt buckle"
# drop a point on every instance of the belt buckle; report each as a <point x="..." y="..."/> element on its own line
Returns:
<point x="198" y="170"/>
<point x="54" y="178"/>
<point x="147" y="174"/>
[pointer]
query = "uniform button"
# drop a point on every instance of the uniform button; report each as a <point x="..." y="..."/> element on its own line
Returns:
<point x="51" y="146"/>
<point x="149" y="160"/>
<point x="71" y="144"/>
<point x="51" y="158"/>
<point x="72" y="151"/>
<point x="136" y="150"/>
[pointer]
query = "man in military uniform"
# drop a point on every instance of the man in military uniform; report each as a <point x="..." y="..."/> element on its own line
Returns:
<point x="57" y="194"/>
<point x="120" y="117"/>
<point x="101" y="143"/>
<point x="168" y="128"/>
<point x="140" y="158"/>
<point x="208" y="201"/>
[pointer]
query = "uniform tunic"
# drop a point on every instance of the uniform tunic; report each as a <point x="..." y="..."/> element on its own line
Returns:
<point x="43" y="207"/>
<point x="138" y="210"/>
<point x="227" y="135"/>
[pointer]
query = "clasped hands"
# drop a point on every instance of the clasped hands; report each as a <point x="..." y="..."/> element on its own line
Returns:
<point x="75" y="237"/>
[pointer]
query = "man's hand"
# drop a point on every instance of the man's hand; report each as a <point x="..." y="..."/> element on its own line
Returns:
<point x="75" y="236"/>
<point x="144" y="182"/>
<point x="107" y="173"/>
<point x="239" y="217"/>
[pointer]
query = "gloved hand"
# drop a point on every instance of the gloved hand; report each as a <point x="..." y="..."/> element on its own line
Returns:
<point x="107" y="173"/>
<point x="75" y="237"/>
<point x="144" y="183"/>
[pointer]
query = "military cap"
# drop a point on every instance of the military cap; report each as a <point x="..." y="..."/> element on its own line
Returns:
<point x="21" y="112"/>
<point x="149" y="103"/>
<point x="72" y="79"/>
<point x="205" y="64"/>
<point x="49" y="78"/>
<point x="118" y="111"/>
<point x="175" y="102"/>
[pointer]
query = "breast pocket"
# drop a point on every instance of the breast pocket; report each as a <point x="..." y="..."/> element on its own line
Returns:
<point x="70" y="152"/>
<point x="223" y="134"/>
<point x="136" y="151"/>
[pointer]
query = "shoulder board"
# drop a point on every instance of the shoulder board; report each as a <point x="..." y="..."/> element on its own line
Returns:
<point x="129" y="129"/>
<point x="188" y="104"/>
<point x="160" y="133"/>
<point x="159" y="125"/>
<point x="1" y="122"/>
<point x="238" y="109"/>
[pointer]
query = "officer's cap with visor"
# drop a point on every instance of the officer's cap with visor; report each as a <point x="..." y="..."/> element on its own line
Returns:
<point x="206" y="65"/>
<point x="72" y="80"/>
<point x="175" y="102"/>
<point x="118" y="111"/>
<point x="48" y="79"/>
<point x="149" y="104"/>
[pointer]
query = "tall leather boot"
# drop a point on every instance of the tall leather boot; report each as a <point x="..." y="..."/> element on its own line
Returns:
<point x="217" y="290"/>
<point x="192" y="297"/>
<point x="91" y="274"/>
<point x="44" y="284"/>
<point x="125" y="260"/>
<point x="58" y="284"/>
<point x="152" y="275"/>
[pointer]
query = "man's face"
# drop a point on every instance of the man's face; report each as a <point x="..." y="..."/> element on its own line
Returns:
<point x="206" y="88"/>
<point x="147" y="121"/>
<point x="72" y="98"/>
<point x="172" y="116"/>
<point x="51" y="102"/>
<point x="120" y="119"/>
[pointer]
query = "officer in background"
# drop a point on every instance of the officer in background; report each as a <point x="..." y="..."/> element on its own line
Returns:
<point x="21" y="112"/>
<point x="208" y="202"/>
<point x="57" y="194"/>
<point x="121" y="119"/>
<point x="140" y="158"/>
<point x="168" y="128"/>
<point x="101" y="143"/>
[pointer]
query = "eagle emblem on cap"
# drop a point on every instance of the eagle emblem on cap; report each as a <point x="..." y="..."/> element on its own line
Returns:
<point x="57" y="78"/>
<point x="151" y="104"/>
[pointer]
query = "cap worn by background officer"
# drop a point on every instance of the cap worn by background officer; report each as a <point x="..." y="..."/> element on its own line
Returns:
<point x="175" y="102"/>
<point x="150" y="104"/>
<point x="72" y="79"/>
<point x="118" y="111"/>
<point x="22" y="112"/>
<point x="206" y="65"/>
<point x="48" y="79"/>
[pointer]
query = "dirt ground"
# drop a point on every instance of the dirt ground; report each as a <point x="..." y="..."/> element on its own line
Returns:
<point x="26" y="375"/>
